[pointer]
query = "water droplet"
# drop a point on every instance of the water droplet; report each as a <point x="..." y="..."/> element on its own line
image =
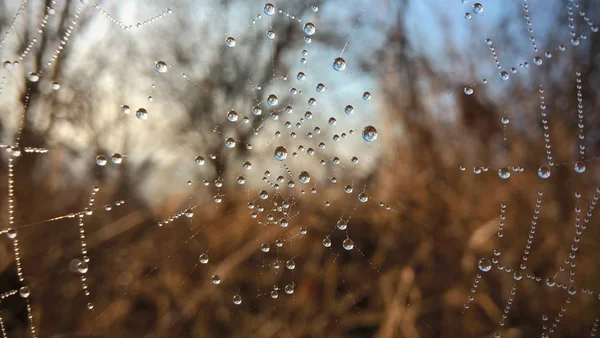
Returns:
<point x="256" y="110"/>
<point x="141" y="114"/>
<point x="301" y="76"/>
<point x="339" y="64"/>
<point x="161" y="67"/>
<point x="269" y="9"/>
<point x="366" y="96"/>
<point x="247" y="165"/>
<point x="544" y="172"/>
<point x="203" y="258"/>
<point x="485" y="265"/>
<point x="270" y="35"/>
<point x="304" y="177"/>
<point x="289" y="289"/>
<point x="101" y="160"/>
<point x="11" y="233"/>
<point x="537" y="60"/>
<point x="116" y="158"/>
<point x="320" y="88"/>
<point x="504" y="75"/>
<point x="327" y="242"/>
<point x="233" y="116"/>
<point x="199" y="160"/>
<point x="362" y="197"/>
<point x="237" y="299"/>
<point x="575" y="41"/>
<point x="263" y="195"/>
<point x="348" y="244"/>
<point x="125" y="109"/>
<point x="230" y="143"/>
<point x="216" y="279"/>
<point x="291" y="265"/>
<point x="468" y="90"/>
<point x="505" y="120"/>
<point x="230" y="42"/>
<point x="369" y="134"/>
<point x="504" y="173"/>
<point x="34" y="77"/>
<point x="24" y="292"/>
<point x="579" y="167"/>
<point x="477" y="8"/>
<point x="309" y="28"/>
<point x="280" y="153"/>
<point x="82" y="267"/>
<point x="272" y="100"/>
<point x="55" y="85"/>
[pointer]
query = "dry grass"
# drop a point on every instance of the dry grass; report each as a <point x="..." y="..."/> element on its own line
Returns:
<point x="410" y="278"/>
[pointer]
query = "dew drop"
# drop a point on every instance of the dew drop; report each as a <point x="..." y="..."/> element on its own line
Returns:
<point x="304" y="177"/>
<point x="230" y="42"/>
<point x="485" y="265"/>
<point x="579" y="167"/>
<point x="161" y="67"/>
<point x="544" y="172"/>
<point x="24" y="292"/>
<point x="232" y="116"/>
<point x="348" y="244"/>
<point x="309" y="28"/>
<point x="280" y="153"/>
<point x="230" y="143"/>
<point x="141" y="114"/>
<point x="369" y="134"/>
<point x="504" y="173"/>
<point x="339" y="64"/>
<point x="101" y="160"/>
<point x="34" y="77"/>
<point x="269" y="9"/>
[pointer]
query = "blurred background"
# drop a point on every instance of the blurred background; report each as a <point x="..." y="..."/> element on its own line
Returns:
<point x="442" y="112"/>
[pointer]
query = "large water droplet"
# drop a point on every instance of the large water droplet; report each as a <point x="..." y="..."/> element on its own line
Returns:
<point x="579" y="167"/>
<point x="369" y="134"/>
<point x="339" y="64"/>
<point x="272" y="100"/>
<point x="544" y="172"/>
<point x="230" y="42"/>
<point x="161" y="67"/>
<point x="304" y="177"/>
<point x="141" y="114"/>
<point x="309" y="28"/>
<point x="477" y="8"/>
<point x="280" y="153"/>
<point x="485" y="265"/>
<point x="348" y="244"/>
<point x="269" y="9"/>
